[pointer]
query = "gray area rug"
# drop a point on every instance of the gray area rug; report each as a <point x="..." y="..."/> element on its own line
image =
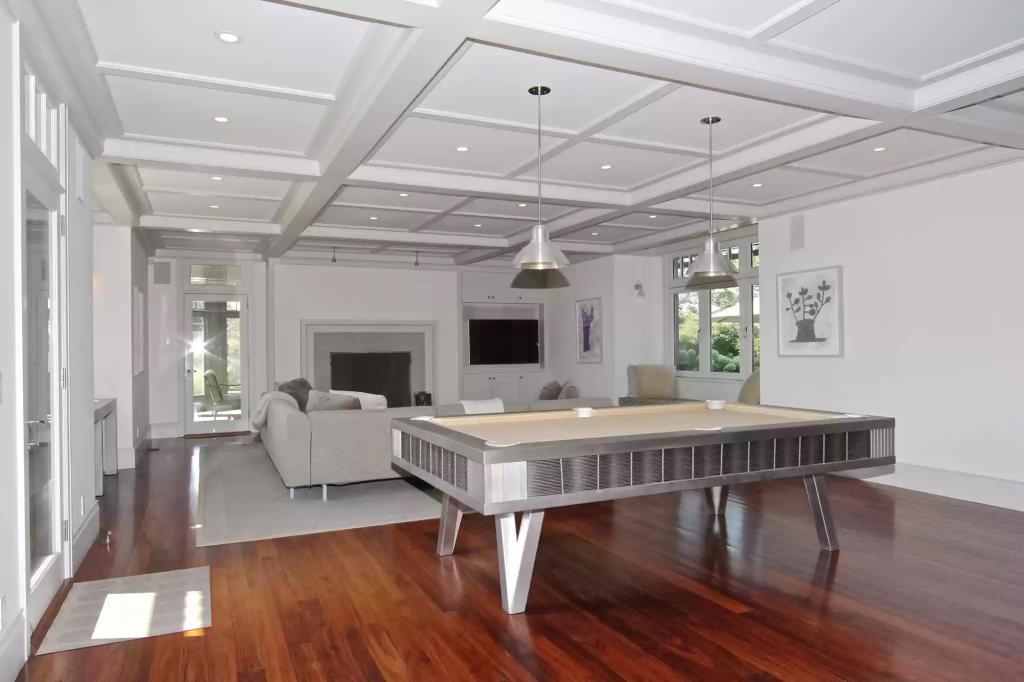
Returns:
<point x="242" y="498"/>
<point x="121" y="609"/>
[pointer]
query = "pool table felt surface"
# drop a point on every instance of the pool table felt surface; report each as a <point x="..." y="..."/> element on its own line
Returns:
<point x="542" y="427"/>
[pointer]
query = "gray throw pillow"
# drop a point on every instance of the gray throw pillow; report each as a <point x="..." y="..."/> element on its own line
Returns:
<point x="550" y="390"/>
<point x="569" y="391"/>
<point x="298" y="389"/>
<point x="318" y="400"/>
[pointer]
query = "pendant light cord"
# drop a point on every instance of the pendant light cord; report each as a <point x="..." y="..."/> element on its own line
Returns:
<point x="540" y="200"/>
<point x="711" y="175"/>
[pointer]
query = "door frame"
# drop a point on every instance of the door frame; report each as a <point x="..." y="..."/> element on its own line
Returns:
<point x="43" y="181"/>
<point x="243" y="424"/>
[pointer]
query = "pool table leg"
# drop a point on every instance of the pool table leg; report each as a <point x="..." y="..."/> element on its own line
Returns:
<point x="821" y="510"/>
<point x="448" y="529"/>
<point x="516" y="553"/>
<point x="717" y="496"/>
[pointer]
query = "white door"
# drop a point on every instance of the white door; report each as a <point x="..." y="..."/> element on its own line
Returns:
<point x="216" y="366"/>
<point x="41" y="393"/>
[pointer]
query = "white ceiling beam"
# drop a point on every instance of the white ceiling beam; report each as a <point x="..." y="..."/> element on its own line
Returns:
<point x="228" y="162"/>
<point x="394" y="12"/>
<point x="368" y="234"/>
<point x="210" y="225"/>
<point x="979" y="124"/>
<point x="457" y="184"/>
<point x="973" y="86"/>
<point x="114" y="194"/>
<point x="193" y="80"/>
<point x="411" y="66"/>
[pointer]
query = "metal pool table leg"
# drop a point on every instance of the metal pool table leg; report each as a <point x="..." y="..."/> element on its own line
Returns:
<point x="516" y="553"/>
<point x="717" y="496"/>
<point x="448" y="529"/>
<point x="821" y="510"/>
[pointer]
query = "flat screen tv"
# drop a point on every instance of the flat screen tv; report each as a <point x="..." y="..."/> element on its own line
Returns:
<point x="504" y="342"/>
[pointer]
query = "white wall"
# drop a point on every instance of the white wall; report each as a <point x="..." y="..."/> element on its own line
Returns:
<point x="929" y="338"/>
<point x="335" y="292"/>
<point x="119" y="265"/>
<point x="634" y="328"/>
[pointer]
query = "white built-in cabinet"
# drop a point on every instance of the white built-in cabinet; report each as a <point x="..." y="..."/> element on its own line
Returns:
<point x="511" y="383"/>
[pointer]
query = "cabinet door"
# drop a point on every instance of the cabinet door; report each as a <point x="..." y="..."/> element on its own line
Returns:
<point x="482" y="287"/>
<point x="506" y="387"/>
<point x="530" y="385"/>
<point x="476" y="386"/>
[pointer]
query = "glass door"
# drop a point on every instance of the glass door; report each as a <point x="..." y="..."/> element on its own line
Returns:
<point x="216" y="371"/>
<point x="43" y="493"/>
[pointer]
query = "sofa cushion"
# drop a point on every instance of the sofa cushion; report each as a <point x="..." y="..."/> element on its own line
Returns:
<point x="298" y="389"/>
<point x="550" y="390"/>
<point x="319" y="400"/>
<point x="568" y="392"/>
<point x="655" y="381"/>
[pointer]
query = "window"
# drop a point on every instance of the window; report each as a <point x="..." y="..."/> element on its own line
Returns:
<point x="687" y="326"/>
<point x="716" y="331"/>
<point x="755" y="326"/>
<point x="725" y="330"/>
<point x="202" y="274"/>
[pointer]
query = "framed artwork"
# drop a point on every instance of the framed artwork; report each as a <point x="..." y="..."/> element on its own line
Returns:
<point x="138" y="331"/>
<point x="810" y="310"/>
<point x="589" y="330"/>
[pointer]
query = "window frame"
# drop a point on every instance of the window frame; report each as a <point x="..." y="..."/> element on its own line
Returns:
<point x="746" y="276"/>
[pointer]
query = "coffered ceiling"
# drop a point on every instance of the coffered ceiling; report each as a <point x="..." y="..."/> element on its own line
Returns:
<point x="401" y="131"/>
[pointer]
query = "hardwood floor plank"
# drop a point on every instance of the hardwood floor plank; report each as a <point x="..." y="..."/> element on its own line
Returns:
<point x="644" y="588"/>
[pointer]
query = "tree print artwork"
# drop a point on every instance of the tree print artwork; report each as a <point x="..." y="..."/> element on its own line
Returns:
<point x="805" y="308"/>
<point x="586" y="319"/>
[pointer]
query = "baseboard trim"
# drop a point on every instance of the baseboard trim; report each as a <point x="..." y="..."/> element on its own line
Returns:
<point x="168" y="430"/>
<point x="86" y="536"/>
<point x="995" y="492"/>
<point x="13" y="648"/>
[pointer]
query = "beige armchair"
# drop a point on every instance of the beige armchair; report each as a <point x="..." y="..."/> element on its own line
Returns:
<point x="650" y="385"/>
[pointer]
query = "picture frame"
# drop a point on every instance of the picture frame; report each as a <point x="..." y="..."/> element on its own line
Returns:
<point x="809" y="304"/>
<point x="589" y="331"/>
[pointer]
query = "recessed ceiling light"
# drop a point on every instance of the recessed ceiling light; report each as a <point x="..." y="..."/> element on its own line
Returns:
<point x="373" y="217"/>
<point x="403" y="194"/>
<point x="757" y="184"/>
<point x="227" y="37"/>
<point x="522" y="205"/>
<point x="217" y="178"/>
<point x="214" y="205"/>
<point x="194" y="229"/>
<point x="652" y="217"/>
<point x="606" y="166"/>
<point x="221" y="119"/>
<point x="477" y="225"/>
<point x="462" y="149"/>
<point x="594" y="234"/>
<point x="878" y="149"/>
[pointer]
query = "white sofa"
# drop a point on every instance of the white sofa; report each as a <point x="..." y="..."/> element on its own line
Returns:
<point x="333" y="447"/>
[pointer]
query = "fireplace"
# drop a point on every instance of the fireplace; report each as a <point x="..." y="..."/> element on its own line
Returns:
<point x="385" y="374"/>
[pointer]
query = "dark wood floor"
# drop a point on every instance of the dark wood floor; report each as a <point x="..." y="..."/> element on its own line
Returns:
<point x="650" y="588"/>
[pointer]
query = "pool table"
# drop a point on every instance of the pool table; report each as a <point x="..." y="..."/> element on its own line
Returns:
<point x="503" y="464"/>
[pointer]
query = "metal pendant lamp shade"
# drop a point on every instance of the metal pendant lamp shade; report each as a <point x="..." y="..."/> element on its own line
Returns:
<point x="539" y="261"/>
<point x="710" y="267"/>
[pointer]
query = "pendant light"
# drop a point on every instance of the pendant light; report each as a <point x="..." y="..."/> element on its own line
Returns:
<point x="539" y="261"/>
<point x="710" y="267"/>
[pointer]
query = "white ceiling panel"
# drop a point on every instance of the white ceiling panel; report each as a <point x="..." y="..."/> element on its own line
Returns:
<point x="392" y="198"/>
<point x="674" y="120"/>
<point x="735" y="17"/>
<point x="492" y="83"/>
<point x="234" y="208"/>
<point x="776" y="184"/>
<point x="187" y="181"/>
<point x="581" y="164"/>
<point x="515" y="209"/>
<point x="371" y="217"/>
<point x="605" y="234"/>
<point x="183" y="112"/>
<point x="912" y="38"/>
<point x="652" y="220"/>
<point x="902" y="148"/>
<point x="490" y="226"/>
<point x="280" y="45"/>
<point x="1013" y="101"/>
<point x="433" y="144"/>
